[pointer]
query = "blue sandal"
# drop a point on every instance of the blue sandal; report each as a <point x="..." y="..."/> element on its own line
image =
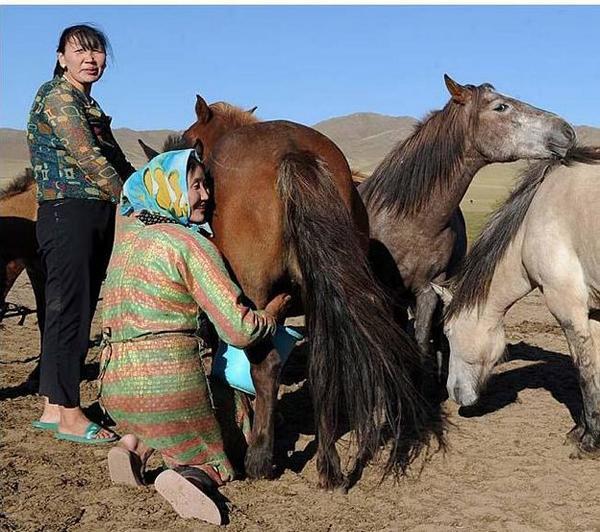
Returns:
<point x="89" y="437"/>
<point x="45" y="425"/>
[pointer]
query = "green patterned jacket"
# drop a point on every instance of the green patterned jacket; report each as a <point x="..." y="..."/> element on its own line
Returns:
<point x="73" y="151"/>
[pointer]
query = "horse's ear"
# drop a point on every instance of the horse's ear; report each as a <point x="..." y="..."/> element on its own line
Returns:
<point x="199" y="149"/>
<point x="202" y="110"/>
<point x="251" y="111"/>
<point x="460" y="94"/>
<point x="444" y="293"/>
<point x="150" y="152"/>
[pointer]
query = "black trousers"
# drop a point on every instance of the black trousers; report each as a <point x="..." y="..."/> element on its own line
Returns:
<point x="75" y="238"/>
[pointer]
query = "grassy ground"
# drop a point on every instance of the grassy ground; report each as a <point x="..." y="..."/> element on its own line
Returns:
<point x="475" y="222"/>
<point x="488" y="190"/>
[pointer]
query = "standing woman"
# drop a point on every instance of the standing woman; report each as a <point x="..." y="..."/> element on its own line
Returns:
<point x="79" y="170"/>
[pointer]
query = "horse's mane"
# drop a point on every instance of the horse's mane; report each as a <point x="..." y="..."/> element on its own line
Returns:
<point x="174" y="141"/>
<point x="17" y="185"/>
<point x="404" y="181"/>
<point x="234" y="116"/>
<point x="358" y="176"/>
<point x="471" y="284"/>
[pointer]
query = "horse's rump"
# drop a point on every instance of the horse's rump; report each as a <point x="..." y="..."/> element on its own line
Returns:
<point x="249" y="213"/>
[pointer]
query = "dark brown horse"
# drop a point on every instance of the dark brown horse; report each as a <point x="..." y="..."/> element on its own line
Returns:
<point x="288" y="217"/>
<point x="417" y="229"/>
<point x="18" y="243"/>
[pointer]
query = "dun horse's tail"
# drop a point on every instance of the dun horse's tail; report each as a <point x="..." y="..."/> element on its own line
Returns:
<point x="360" y="361"/>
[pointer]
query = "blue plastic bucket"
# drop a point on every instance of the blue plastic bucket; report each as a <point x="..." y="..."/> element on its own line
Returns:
<point x="231" y="364"/>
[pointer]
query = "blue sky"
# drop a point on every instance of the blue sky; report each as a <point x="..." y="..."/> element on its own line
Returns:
<point x="309" y="63"/>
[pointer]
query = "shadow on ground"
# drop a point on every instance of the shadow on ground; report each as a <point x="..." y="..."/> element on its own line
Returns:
<point x="553" y="372"/>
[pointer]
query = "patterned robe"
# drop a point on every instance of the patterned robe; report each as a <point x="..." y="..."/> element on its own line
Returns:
<point x="153" y="382"/>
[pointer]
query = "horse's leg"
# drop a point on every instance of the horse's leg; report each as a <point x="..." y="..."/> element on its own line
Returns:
<point x="426" y="302"/>
<point x="570" y="308"/>
<point x="36" y="275"/>
<point x="265" y="368"/>
<point x="3" y="283"/>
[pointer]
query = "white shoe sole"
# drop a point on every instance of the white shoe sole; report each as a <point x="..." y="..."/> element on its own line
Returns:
<point x="186" y="499"/>
<point x="122" y="466"/>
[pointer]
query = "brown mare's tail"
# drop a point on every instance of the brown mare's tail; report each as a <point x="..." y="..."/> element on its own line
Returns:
<point x="361" y="361"/>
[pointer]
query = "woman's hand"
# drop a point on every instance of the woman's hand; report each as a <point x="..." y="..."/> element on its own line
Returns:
<point x="278" y="305"/>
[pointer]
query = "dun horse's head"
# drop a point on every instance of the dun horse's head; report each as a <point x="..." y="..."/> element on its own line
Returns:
<point x="476" y="344"/>
<point x="215" y="120"/>
<point x="504" y="129"/>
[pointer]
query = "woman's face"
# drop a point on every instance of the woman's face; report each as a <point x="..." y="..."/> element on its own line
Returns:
<point x="198" y="194"/>
<point x="83" y="67"/>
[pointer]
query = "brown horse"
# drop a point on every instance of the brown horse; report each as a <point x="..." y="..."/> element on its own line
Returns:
<point x="417" y="229"/>
<point x="18" y="243"/>
<point x="288" y="217"/>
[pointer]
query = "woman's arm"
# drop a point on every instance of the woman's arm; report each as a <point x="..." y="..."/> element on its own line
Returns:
<point x="208" y="280"/>
<point x="121" y="164"/>
<point x="69" y="123"/>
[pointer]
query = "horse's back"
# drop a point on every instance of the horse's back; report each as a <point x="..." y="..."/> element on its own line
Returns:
<point x="22" y="204"/>
<point x="562" y="227"/>
<point x="266" y="143"/>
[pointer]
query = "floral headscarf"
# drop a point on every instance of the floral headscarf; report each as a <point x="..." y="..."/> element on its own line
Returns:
<point x="160" y="188"/>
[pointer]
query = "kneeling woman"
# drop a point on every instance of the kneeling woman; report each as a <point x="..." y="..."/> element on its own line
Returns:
<point x="162" y="271"/>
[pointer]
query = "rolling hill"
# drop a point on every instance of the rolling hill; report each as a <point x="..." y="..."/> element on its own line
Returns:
<point x="365" y="139"/>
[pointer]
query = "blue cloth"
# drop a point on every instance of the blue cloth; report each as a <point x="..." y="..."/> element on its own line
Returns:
<point x="231" y="364"/>
<point x="160" y="187"/>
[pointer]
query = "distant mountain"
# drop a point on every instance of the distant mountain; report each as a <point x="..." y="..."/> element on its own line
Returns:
<point x="14" y="153"/>
<point x="588" y="135"/>
<point x="366" y="138"/>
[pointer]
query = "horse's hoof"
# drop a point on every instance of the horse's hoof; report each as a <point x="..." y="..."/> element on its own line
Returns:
<point x="341" y="490"/>
<point x="587" y="448"/>
<point x="574" y="435"/>
<point x="582" y="454"/>
<point x="259" y="464"/>
<point x="339" y="485"/>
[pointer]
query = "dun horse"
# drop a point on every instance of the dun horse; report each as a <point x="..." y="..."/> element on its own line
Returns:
<point x="546" y="236"/>
<point x="412" y="198"/>
<point x="288" y="217"/>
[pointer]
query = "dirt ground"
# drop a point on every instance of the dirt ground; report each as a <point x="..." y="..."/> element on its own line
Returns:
<point x="505" y="469"/>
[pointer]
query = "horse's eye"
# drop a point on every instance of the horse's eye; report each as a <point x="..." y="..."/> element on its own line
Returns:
<point x="501" y="107"/>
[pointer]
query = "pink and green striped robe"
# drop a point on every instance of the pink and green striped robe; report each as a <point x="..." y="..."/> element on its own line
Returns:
<point x="153" y="384"/>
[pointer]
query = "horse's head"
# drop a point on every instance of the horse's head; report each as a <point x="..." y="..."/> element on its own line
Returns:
<point x="214" y="121"/>
<point x="504" y="129"/>
<point x="476" y="344"/>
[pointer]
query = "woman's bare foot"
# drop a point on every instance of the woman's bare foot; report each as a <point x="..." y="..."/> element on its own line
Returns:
<point x="74" y="422"/>
<point x="133" y="444"/>
<point x="127" y="461"/>
<point x="51" y="413"/>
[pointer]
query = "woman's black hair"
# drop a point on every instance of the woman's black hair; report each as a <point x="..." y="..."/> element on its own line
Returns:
<point x="87" y="36"/>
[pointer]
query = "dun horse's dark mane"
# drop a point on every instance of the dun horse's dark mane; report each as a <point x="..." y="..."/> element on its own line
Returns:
<point x="404" y="181"/>
<point x="471" y="284"/>
<point x="17" y="185"/>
